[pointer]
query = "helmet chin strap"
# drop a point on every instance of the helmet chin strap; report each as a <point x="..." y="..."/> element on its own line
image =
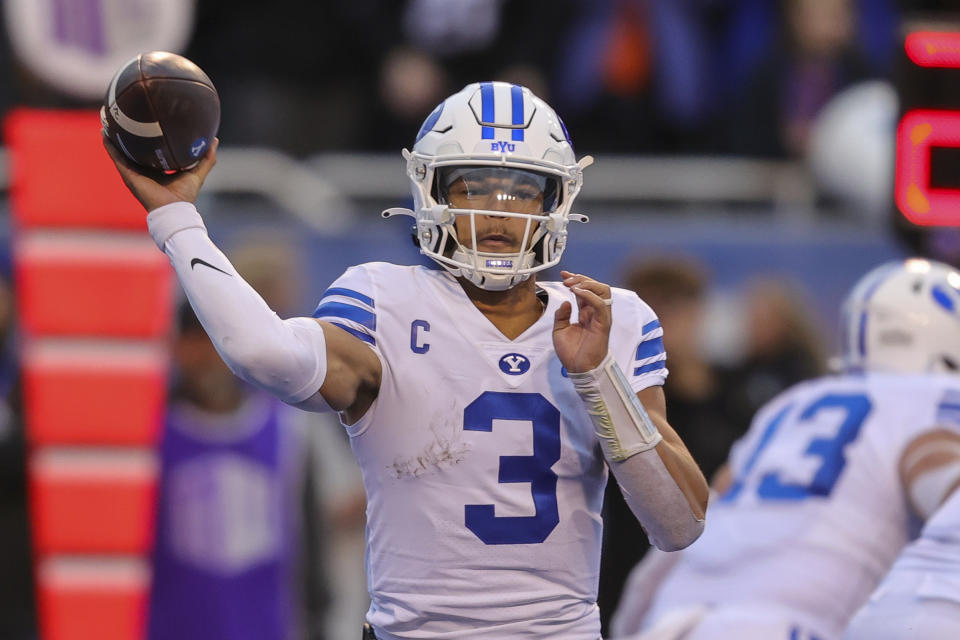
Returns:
<point x="487" y="280"/>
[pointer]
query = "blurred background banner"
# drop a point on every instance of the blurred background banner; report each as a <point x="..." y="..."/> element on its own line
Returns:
<point x="77" y="45"/>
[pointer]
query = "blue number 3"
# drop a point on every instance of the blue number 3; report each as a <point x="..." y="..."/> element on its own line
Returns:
<point x="830" y="450"/>
<point x="536" y="469"/>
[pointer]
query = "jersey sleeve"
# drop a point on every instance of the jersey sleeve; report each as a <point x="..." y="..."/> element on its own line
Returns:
<point x="640" y="353"/>
<point x="349" y="303"/>
<point x="948" y="408"/>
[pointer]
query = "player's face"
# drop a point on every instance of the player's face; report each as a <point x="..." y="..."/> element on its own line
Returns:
<point x="496" y="189"/>
<point x="493" y="192"/>
<point x="495" y="234"/>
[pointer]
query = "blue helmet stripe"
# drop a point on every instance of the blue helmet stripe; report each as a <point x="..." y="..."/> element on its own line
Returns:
<point x="487" y="109"/>
<point x="867" y="294"/>
<point x="516" y="98"/>
<point x="429" y="122"/>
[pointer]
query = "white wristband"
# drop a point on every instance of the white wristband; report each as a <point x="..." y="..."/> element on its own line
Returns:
<point x="619" y="420"/>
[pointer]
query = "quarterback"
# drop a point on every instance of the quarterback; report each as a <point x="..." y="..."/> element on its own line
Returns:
<point x="828" y="484"/>
<point x="484" y="408"/>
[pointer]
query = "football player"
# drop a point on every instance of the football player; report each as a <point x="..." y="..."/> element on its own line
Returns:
<point x="828" y="484"/>
<point x="484" y="407"/>
<point x="920" y="597"/>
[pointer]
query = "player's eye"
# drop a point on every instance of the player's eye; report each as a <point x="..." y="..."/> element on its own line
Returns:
<point x="526" y="194"/>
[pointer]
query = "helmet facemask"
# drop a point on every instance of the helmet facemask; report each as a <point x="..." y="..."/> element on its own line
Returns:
<point x="468" y="167"/>
<point x="477" y="194"/>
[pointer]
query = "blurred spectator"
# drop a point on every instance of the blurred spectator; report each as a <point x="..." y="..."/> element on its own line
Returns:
<point x="696" y="389"/>
<point x="292" y="75"/>
<point x="697" y="400"/>
<point x="236" y="509"/>
<point x="242" y="533"/>
<point x="784" y="346"/>
<point x="817" y="55"/>
<point x="440" y="45"/>
<point x="17" y="614"/>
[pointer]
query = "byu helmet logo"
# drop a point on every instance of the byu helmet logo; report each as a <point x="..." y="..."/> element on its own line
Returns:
<point x="503" y="146"/>
<point x="514" y="364"/>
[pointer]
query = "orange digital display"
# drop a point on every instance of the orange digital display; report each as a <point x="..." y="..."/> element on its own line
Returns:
<point x="933" y="49"/>
<point x="930" y="121"/>
<point x="920" y="130"/>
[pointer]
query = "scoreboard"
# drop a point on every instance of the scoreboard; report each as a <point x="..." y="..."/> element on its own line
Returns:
<point x="927" y="179"/>
<point x="926" y="194"/>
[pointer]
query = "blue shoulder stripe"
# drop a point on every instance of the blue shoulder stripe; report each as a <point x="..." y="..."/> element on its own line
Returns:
<point x="653" y="366"/>
<point x="650" y="326"/>
<point x="650" y="348"/>
<point x="347" y="312"/>
<point x="348" y="293"/>
<point x="360" y="334"/>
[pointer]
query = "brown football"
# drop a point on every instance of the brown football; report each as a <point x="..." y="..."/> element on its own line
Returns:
<point x="162" y="111"/>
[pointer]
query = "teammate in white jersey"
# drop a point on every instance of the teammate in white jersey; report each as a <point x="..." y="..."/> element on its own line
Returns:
<point x="828" y="484"/>
<point x="920" y="597"/>
<point x="484" y="407"/>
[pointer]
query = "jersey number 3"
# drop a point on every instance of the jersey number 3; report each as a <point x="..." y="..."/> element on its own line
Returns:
<point x="536" y="469"/>
<point x="853" y="409"/>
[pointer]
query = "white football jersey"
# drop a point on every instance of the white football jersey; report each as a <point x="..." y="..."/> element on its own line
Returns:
<point x="816" y="512"/>
<point x="937" y="550"/>
<point x="483" y="475"/>
<point x="920" y="597"/>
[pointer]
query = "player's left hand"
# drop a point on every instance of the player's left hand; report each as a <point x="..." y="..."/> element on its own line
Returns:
<point x="583" y="345"/>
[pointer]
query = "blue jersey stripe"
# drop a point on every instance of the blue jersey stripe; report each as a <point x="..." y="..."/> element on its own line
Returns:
<point x="487" y="109"/>
<point x="348" y="293"/>
<point x="650" y="326"/>
<point x="360" y="334"/>
<point x="347" y="312"/>
<point x="650" y="348"/>
<point x="516" y="99"/>
<point x="653" y="366"/>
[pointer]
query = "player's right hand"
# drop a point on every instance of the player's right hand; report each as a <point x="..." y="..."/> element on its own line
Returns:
<point x="154" y="192"/>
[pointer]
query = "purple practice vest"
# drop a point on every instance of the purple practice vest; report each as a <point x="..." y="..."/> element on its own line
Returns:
<point x="224" y="558"/>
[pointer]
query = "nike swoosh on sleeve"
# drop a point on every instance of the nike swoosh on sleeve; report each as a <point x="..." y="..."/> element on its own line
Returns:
<point x="196" y="261"/>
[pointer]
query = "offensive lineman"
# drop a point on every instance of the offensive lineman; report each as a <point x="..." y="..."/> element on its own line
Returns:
<point x="483" y="407"/>
<point x="920" y="597"/>
<point x="828" y="484"/>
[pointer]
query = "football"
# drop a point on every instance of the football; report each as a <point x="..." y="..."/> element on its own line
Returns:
<point x="162" y="112"/>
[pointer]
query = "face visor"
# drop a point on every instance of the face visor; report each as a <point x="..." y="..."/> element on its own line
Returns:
<point x="497" y="189"/>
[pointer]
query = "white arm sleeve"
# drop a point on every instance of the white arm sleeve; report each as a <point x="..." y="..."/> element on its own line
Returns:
<point x="628" y="438"/>
<point x="288" y="358"/>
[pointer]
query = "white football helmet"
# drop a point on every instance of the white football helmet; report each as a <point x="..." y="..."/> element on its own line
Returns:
<point x="499" y="131"/>
<point x="903" y="316"/>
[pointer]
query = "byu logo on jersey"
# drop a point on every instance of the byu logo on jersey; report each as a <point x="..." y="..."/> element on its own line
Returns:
<point x="514" y="364"/>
